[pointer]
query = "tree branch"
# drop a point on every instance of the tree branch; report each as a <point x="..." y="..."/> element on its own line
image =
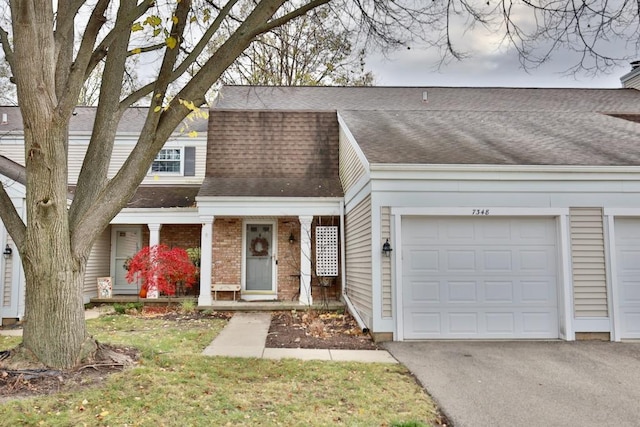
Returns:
<point x="10" y="218"/>
<point x="95" y="166"/>
<point x="6" y="47"/>
<point x="191" y="58"/>
<point x="77" y="75"/>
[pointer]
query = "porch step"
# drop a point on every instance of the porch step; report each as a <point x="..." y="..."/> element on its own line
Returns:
<point x="224" y="305"/>
<point x="270" y="306"/>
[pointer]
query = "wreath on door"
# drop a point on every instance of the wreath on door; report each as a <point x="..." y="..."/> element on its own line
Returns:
<point x="259" y="247"/>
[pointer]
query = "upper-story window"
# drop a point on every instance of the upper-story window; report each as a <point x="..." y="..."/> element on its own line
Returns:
<point x="175" y="161"/>
<point x="168" y="160"/>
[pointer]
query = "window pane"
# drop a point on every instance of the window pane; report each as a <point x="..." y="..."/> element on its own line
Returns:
<point x="167" y="160"/>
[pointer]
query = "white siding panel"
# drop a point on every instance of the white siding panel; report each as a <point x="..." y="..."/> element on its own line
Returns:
<point x="358" y="258"/>
<point x="588" y="262"/>
<point x="97" y="265"/>
<point x="385" y="229"/>
<point x="7" y="277"/>
<point x="633" y="83"/>
<point x="121" y="151"/>
<point x="351" y="168"/>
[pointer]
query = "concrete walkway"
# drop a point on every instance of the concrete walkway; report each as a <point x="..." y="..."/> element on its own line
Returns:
<point x="92" y="313"/>
<point x="246" y="333"/>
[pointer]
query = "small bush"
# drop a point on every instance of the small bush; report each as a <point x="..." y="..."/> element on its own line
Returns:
<point x="128" y="308"/>
<point x="188" y="306"/>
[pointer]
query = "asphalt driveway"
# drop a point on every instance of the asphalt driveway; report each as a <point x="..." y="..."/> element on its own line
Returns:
<point x="528" y="383"/>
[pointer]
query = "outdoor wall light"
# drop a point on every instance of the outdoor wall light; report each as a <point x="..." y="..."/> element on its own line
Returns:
<point x="386" y="248"/>
<point x="7" y="251"/>
<point x="292" y="239"/>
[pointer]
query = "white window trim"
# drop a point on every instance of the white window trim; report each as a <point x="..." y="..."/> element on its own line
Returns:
<point x="181" y="173"/>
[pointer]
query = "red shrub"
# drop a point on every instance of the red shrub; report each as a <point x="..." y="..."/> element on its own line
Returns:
<point x="162" y="268"/>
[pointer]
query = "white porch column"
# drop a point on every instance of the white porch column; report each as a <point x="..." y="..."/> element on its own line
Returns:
<point x="206" y="261"/>
<point x="154" y="239"/>
<point x="305" y="260"/>
<point x="154" y="234"/>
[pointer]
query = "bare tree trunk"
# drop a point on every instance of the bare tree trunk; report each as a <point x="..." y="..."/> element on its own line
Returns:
<point x="54" y="329"/>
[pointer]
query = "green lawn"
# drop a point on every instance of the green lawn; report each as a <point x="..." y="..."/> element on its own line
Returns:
<point x="174" y="385"/>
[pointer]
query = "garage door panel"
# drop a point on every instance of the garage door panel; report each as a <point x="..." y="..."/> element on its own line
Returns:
<point x="461" y="260"/>
<point x="538" y="291"/>
<point x="423" y="261"/>
<point x="498" y="260"/>
<point x="631" y="324"/>
<point x="462" y="292"/>
<point x="627" y="233"/>
<point x="500" y="323"/>
<point x="463" y="323"/>
<point x="502" y="287"/>
<point x="499" y="292"/>
<point x="423" y="292"/>
<point x="482" y="324"/>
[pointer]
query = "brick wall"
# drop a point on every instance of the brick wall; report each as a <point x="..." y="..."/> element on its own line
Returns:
<point x="227" y="257"/>
<point x="227" y="252"/>
<point x="181" y="235"/>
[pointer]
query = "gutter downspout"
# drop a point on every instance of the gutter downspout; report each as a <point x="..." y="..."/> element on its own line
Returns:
<point x="343" y="272"/>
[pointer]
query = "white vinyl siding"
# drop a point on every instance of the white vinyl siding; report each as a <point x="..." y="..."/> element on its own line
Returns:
<point x="633" y="82"/>
<point x="588" y="262"/>
<point x="97" y="264"/>
<point x="358" y="258"/>
<point x="385" y="229"/>
<point x="121" y="150"/>
<point x="7" y="276"/>
<point x="351" y="168"/>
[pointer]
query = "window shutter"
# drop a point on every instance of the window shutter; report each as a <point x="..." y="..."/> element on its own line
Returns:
<point x="189" y="161"/>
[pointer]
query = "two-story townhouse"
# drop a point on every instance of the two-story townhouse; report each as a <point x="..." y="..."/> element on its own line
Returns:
<point x="162" y="211"/>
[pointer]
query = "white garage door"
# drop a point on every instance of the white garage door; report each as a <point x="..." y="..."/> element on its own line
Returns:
<point x="628" y="265"/>
<point x="485" y="277"/>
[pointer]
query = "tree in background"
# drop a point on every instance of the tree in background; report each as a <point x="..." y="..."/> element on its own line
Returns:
<point x="53" y="46"/>
<point x="7" y="89"/>
<point x="313" y="50"/>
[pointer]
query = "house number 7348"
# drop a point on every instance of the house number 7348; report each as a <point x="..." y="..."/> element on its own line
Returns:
<point x="480" y="212"/>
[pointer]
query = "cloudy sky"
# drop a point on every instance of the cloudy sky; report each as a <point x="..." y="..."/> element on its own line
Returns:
<point x="419" y="68"/>
<point x="491" y="62"/>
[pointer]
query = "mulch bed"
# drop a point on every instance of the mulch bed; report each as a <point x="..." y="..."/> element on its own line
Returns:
<point x="313" y="329"/>
<point x="17" y="384"/>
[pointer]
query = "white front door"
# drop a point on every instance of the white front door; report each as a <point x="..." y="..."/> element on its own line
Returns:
<point x="479" y="278"/>
<point x="259" y="261"/>
<point x="628" y="260"/>
<point x="125" y="242"/>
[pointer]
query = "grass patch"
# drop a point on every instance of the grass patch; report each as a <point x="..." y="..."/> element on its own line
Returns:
<point x="174" y="385"/>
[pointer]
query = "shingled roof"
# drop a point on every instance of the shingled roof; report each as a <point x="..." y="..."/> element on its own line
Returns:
<point x="272" y="154"/>
<point x="83" y="118"/>
<point x="492" y="126"/>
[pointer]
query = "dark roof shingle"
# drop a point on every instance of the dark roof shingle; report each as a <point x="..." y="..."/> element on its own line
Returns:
<point x="272" y="153"/>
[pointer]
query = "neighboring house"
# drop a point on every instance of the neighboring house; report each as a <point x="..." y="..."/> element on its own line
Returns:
<point x="510" y="213"/>
<point x="162" y="210"/>
<point x="13" y="178"/>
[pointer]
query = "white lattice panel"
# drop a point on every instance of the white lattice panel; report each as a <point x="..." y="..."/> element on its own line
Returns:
<point x="327" y="251"/>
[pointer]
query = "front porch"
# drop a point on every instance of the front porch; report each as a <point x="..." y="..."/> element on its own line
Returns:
<point x="225" y="305"/>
